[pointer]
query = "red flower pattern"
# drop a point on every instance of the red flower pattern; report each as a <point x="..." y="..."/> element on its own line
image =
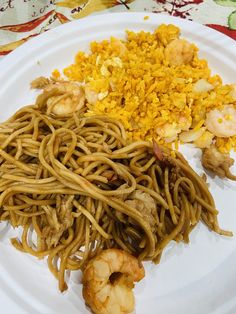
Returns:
<point x="179" y="8"/>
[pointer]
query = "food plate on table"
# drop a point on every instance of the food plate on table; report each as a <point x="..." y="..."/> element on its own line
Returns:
<point x="191" y="278"/>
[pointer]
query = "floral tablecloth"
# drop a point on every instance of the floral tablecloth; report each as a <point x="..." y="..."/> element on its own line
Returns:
<point x="21" y="20"/>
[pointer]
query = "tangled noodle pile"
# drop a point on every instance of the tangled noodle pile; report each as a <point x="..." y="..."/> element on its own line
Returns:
<point x="81" y="187"/>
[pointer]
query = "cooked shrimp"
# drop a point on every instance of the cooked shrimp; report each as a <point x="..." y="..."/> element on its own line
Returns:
<point x="179" y="51"/>
<point x="222" y="123"/>
<point x="108" y="281"/>
<point x="63" y="98"/>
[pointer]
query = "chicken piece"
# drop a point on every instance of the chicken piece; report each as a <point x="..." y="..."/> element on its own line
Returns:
<point x="145" y="204"/>
<point x="179" y="51"/>
<point x="217" y="162"/>
<point x="40" y="82"/>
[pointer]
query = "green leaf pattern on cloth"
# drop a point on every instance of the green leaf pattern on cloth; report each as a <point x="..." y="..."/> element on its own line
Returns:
<point x="232" y="20"/>
<point x="232" y="16"/>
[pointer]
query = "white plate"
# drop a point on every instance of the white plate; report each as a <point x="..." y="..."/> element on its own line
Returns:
<point x="193" y="279"/>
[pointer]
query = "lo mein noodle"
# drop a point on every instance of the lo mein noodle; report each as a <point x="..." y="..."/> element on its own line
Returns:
<point x="76" y="186"/>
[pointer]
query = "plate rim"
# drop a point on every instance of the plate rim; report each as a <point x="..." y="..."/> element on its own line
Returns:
<point x="33" y="44"/>
<point x="56" y="32"/>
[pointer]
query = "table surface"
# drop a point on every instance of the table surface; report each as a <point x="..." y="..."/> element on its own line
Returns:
<point x="20" y="20"/>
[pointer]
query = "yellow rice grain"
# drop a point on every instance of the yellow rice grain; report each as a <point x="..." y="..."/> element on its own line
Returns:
<point x="144" y="91"/>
